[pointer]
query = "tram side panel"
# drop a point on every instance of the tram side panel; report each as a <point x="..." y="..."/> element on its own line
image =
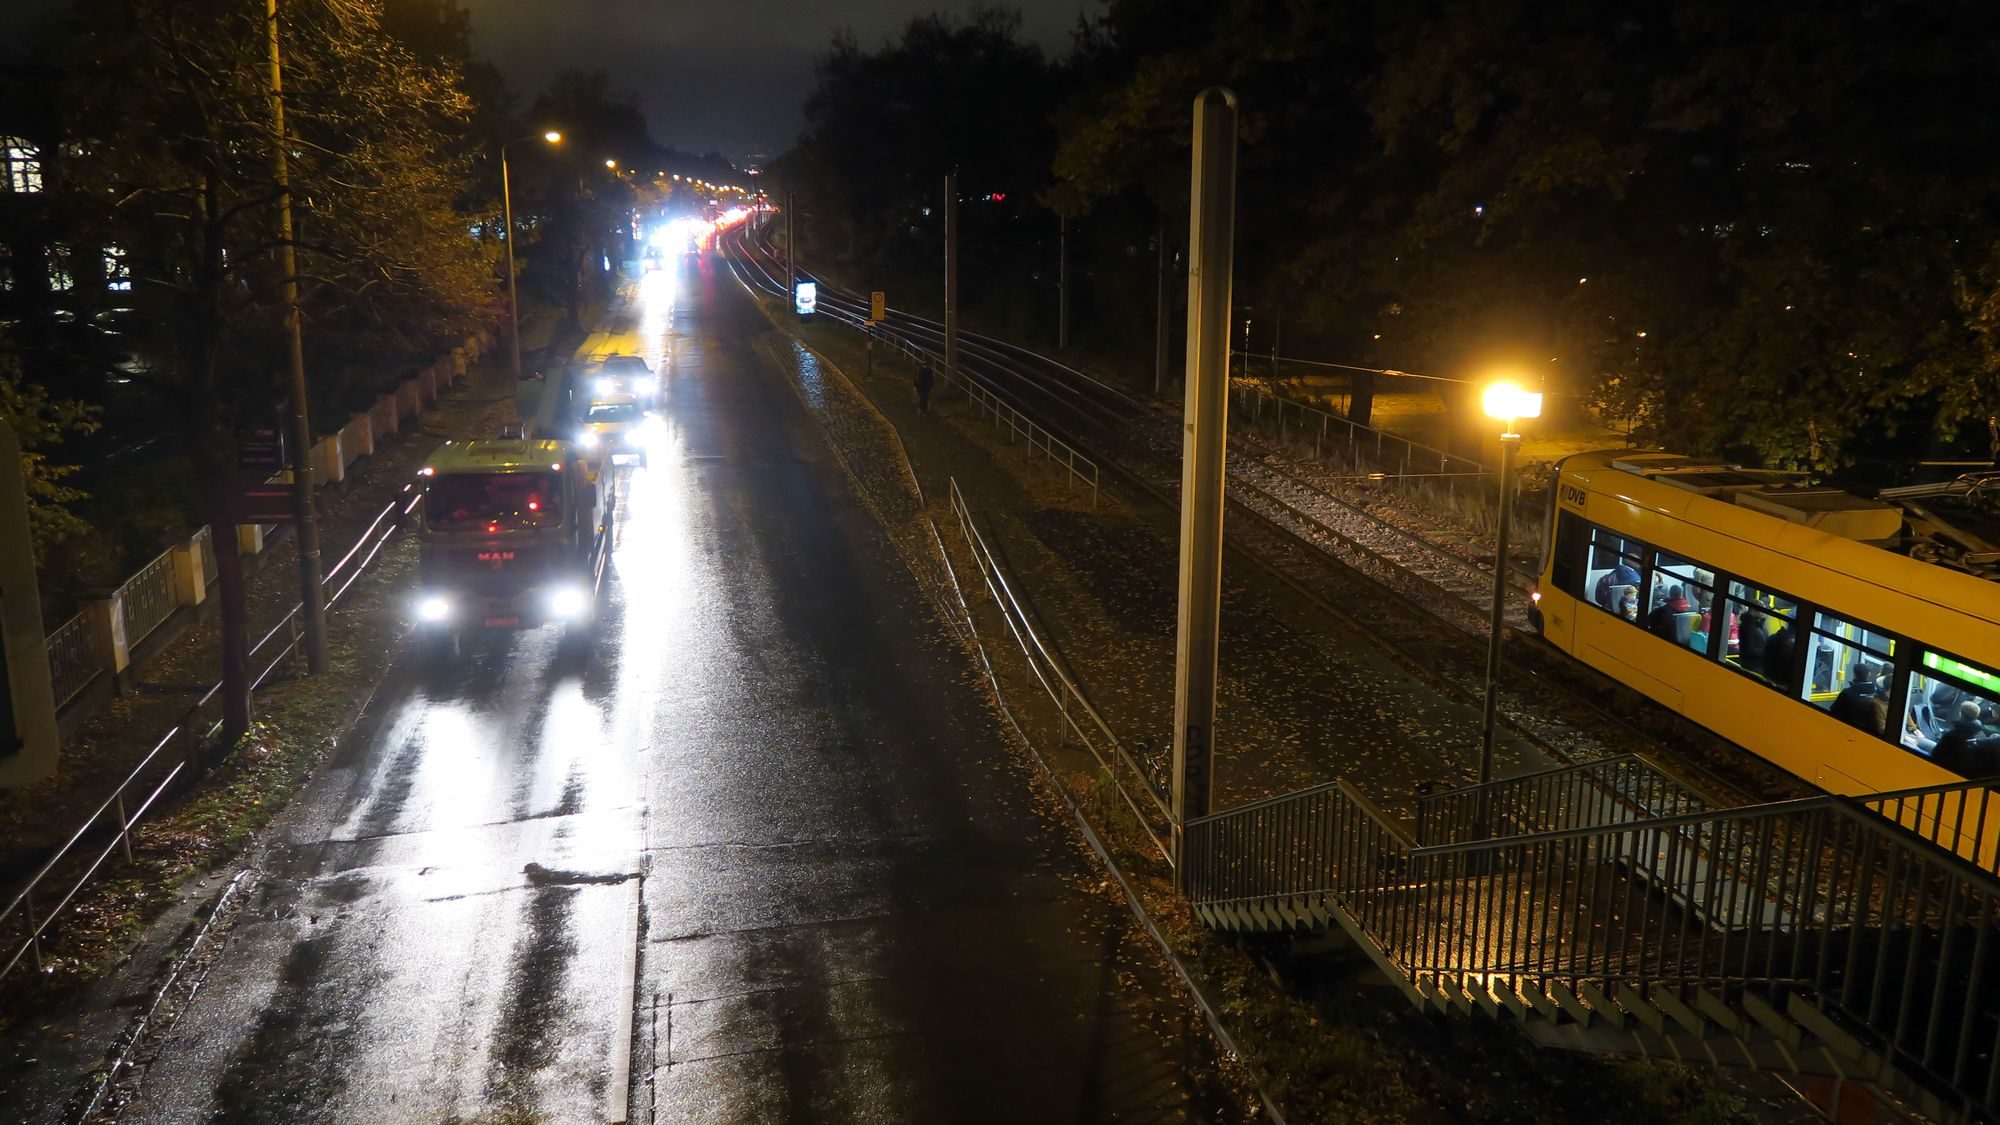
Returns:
<point x="1708" y="687"/>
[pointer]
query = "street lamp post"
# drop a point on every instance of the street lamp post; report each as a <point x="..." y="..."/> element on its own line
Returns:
<point x="1504" y="402"/>
<point x="507" y="219"/>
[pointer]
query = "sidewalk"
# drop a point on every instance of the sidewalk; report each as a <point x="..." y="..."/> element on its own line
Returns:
<point x="113" y="741"/>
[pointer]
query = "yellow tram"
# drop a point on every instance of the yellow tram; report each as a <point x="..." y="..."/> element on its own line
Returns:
<point x="1787" y="618"/>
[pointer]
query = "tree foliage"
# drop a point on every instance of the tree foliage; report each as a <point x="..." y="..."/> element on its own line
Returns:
<point x="39" y="422"/>
<point x="884" y="125"/>
<point x="1758" y="227"/>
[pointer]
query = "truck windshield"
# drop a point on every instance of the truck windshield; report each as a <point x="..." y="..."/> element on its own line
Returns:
<point x="495" y="501"/>
<point x="613" y="412"/>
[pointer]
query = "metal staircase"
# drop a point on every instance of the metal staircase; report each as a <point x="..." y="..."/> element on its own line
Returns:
<point x="1605" y="907"/>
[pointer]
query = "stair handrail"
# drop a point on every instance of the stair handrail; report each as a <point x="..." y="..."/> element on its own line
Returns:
<point x="1893" y="940"/>
<point x="1971" y="833"/>
<point x="1627" y="783"/>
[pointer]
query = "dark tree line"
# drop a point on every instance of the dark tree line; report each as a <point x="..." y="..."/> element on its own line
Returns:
<point x="1761" y="229"/>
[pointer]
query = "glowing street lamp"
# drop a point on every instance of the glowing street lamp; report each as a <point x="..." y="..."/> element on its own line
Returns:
<point x="1504" y="402"/>
<point x="507" y="217"/>
<point x="611" y="164"/>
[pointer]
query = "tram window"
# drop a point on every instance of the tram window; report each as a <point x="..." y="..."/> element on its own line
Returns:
<point x="1681" y="602"/>
<point x="1614" y="572"/>
<point x="1953" y="716"/>
<point x="1847" y="672"/>
<point x="1761" y="639"/>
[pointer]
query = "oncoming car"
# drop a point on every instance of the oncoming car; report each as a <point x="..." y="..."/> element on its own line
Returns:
<point x="614" y="427"/>
<point x="623" y="375"/>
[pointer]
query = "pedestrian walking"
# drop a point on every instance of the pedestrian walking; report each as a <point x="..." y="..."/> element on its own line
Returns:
<point x="926" y="379"/>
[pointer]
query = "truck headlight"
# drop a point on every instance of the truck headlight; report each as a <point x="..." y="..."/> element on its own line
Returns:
<point x="567" y="603"/>
<point x="433" y="608"/>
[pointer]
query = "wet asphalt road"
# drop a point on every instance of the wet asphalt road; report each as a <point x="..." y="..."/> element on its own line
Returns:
<point x="765" y="848"/>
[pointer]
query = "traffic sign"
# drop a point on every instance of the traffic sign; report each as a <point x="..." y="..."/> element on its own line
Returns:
<point x="878" y="306"/>
<point x="262" y="451"/>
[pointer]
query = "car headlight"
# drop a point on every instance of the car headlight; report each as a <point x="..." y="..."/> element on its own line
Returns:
<point x="606" y="385"/>
<point x="653" y="385"/>
<point x="587" y="440"/>
<point x="567" y="603"/>
<point x="434" y="608"/>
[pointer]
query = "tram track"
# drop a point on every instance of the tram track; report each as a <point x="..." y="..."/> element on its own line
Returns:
<point x="1421" y="602"/>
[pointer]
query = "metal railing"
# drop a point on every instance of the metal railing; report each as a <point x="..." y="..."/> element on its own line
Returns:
<point x="1363" y="445"/>
<point x="1817" y="899"/>
<point x="147" y="598"/>
<point x="1075" y="715"/>
<point x="1608" y="791"/>
<point x="1077" y="467"/>
<point x="74" y="658"/>
<point x="1961" y="817"/>
<point x="177" y="754"/>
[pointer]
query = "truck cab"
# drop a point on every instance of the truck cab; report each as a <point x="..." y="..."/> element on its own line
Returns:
<point x="514" y="536"/>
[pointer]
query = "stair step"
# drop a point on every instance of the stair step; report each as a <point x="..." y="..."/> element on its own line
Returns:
<point x="1837" y="1039"/>
<point x="1634" y="1000"/>
<point x="1605" y="1008"/>
<point x="1773" y="1021"/>
<point x="1678" y="1011"/>
<point x="1570" y="1003"/>
<point x="1538" y="1000"/>
<point x="1720" y="1012"/>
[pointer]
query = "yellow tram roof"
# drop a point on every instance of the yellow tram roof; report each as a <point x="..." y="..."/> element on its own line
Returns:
<point x="1838" y="533"/>
<point x="498" y="455"/>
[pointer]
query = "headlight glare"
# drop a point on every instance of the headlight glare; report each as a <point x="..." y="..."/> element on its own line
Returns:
<point x="567" y="603"/>
<point x="434" y="608"/>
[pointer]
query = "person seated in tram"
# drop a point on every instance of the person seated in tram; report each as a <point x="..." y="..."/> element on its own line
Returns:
<point x="1660" y="622"/>
<point x="1628" y="604"/>
<point x="1623" y="574"/>
<point x="1965" y="748"/>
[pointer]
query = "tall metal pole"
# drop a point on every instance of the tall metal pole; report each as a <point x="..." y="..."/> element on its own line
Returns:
<point x="312" y="596"/>
<point x="951" y="272"/>
<point x="1211" y="249"/>
<point x="1062" y="283"/>
<point x="513" y="298"/>
<point x="791" y="246"/>
<point x="1509" y="442"/>
<point x="1160" y="316"/>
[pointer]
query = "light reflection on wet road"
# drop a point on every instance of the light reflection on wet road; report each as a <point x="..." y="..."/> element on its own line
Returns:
<point x="773" y="781"/>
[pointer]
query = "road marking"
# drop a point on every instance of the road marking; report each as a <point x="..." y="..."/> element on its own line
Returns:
<point x="618" y="1111"/>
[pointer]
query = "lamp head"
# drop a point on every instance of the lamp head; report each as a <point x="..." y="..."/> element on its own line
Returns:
<point x="1506" y="402"/>
<point x="553" y="137"/>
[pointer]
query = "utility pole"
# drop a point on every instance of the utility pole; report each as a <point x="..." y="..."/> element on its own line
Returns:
<point x="951" y="273"/>
<point x="1160" y="316"/>
<point x="312" y="595"/>
<point x="791" y="246"/>
<point x="1062" y="283"/>
<point x="1211" y="250"/>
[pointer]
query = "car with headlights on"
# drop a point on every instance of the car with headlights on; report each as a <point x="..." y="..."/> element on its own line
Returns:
<point x="622" y="375"/>
<point x="614" y="429"/>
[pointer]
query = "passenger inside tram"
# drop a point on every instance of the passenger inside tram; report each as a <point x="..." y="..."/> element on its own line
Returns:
<point x="1953" y="724"/>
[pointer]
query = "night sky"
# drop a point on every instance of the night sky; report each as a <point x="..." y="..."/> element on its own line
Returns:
<point x="727" y="75"/>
